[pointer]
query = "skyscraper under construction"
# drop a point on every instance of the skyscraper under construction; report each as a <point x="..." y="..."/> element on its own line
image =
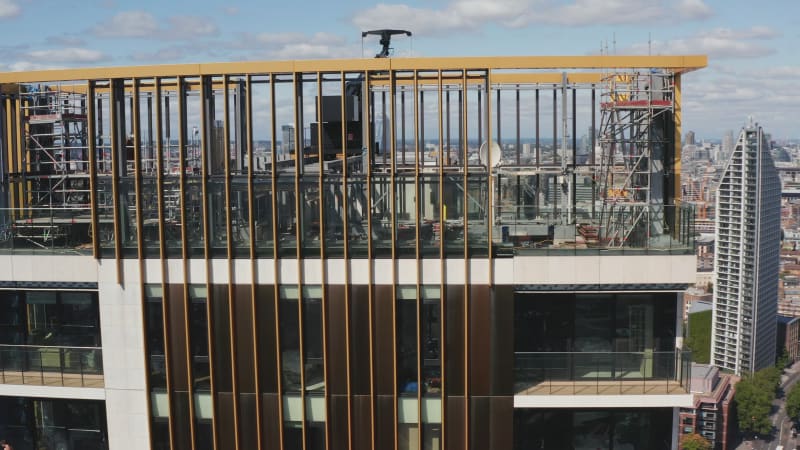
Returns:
<point x="345" y="254"/>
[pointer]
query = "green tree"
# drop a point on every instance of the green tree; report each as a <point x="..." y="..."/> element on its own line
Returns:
<point x="793" y="403"/>
<point x="754" y="395"/>
<point x="695" y="442"/>
<point x="783" y="360"/>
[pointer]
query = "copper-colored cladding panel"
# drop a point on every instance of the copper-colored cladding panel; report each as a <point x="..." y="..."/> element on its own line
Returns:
<point x="385" y="423"/>
<point x="248" y="421"/>
<point x="337" y="340"/>
<point x="245" y="352"/>
<point x="339" y="423"/>
<point x="455" y="431"/>
<point x="480" y="357"/>
<point x="271" y="421"/>
<point x="384" y="340"/>
<point x="224" y="423"/>
<point x="501" y="422"/>
<point x="502" y="379"/>
<point x="359" y="340"/>
<point x="362" y="422"/>
<point x="479" y="417"/>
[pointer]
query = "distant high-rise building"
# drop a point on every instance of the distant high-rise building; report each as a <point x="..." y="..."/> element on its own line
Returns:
<point x="689" y="138"/>
<point x="746" y="260"/>
<point x="287" y="142"/>
<point x="727" y="143"/>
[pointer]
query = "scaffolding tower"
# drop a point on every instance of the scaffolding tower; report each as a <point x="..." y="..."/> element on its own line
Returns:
<point x="54" y="176"/>
<point x="635" y="112"/>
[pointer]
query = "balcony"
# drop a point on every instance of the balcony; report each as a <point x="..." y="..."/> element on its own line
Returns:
<point x="602" y="373"/>
<point x="51" y="366"/>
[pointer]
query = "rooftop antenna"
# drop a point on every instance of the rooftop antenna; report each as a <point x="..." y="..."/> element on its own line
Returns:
<point x="614" y="43"/>
<point x="386" y="39"/>
<point x="649" y="44"/>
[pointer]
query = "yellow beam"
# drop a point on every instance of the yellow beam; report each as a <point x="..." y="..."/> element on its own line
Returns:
<point x="677" y="64"/>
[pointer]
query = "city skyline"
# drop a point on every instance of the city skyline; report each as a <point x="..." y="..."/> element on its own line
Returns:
<point x="749" y="47"/>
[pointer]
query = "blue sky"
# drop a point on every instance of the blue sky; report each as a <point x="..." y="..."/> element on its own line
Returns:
<point x="754" y="61"/>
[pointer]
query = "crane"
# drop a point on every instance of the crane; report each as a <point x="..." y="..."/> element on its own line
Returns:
<point x="386" y="38"/>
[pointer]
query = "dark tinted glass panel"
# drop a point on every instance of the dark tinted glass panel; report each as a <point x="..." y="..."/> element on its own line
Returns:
<point x="265" y="335"/>
<point x="159" y="434"/>
<point x="30" y="424"/>
<point x="337" y="340"/>
<point x="502" y="375"/>
<point x="407" y="376"/>
<point x="480" y="359"/>
<point x="262" y="211"/>
<point x="203" y="434"/>
<point x="431" y="332"/>
<point x="384" y="340"/>
<point x="12" y="318"/>
<point x="198" y="339"/>
<point x="177" y="337"/>
<point x="154" y="324"/>
<point x="245" y="354"/>
<point x="312" y="340"/>
<point x="289" y="339"/>
<point x="222" y="339"/>
<point x="479" y="422"/>
<point x="454" y="384"/>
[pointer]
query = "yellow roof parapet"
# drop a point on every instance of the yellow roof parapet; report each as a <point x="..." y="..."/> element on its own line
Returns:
<point x="675" y="64"/>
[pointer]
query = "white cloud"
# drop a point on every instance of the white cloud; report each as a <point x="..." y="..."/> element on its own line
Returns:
<point x="9" y="9"/>
<point x="231" y="10"/>
<point x="474" y="14"/>
<point x="718" y="43"/>
<point x="128" y="24"/>
<point x="181" y="27"/>
<point x="27" y="66"/>
<point x="65" y="40"/>
<point x="693" y="9"/>
<point x="293" y="45"/>
<point x="716" y="101"/>
<point x="142" y="24"/>
<point x="68" y="55"/>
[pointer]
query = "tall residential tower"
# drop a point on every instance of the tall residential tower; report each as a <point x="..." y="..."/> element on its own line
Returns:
<point x="746" y="261"/>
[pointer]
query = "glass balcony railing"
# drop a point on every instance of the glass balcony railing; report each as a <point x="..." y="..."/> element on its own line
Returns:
<point x="602" y="373"/>
<point x="51" y="366"/>
<point x="52" y="231"/>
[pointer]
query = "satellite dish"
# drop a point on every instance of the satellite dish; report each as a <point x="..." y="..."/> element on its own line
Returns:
<point x="484" y="154"/>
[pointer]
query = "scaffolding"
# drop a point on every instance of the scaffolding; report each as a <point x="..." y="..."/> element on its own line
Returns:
<point x="636" y="110"/>
<point x="53" y="198"/>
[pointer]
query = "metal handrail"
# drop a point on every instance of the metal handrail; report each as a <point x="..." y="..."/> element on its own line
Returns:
<point x="46" y="364"/>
